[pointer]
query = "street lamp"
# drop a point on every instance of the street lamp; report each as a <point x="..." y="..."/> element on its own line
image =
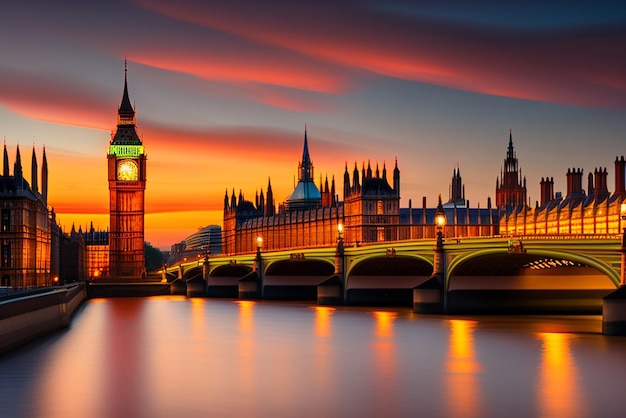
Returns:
<point x="340" y="233"/>
<point x="440" y="221"/>
<point x="259" y="244"/>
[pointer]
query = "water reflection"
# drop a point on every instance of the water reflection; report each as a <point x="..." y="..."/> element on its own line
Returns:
<point x="178" y="357"/>
<point x="558" y="391"/>
<point x="322" y="320"/>
<point x="386" y="402"/>
<point x="462" y="368"/>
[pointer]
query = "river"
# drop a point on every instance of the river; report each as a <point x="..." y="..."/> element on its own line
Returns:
<point x="177" y="357"/>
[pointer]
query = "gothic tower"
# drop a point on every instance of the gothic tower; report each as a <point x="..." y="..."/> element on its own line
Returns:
<point x="127" y="183"/>
<point x="511" y="187"/>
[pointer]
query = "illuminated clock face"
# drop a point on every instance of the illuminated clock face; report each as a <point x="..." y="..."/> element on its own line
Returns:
<point x="127" y="170"/>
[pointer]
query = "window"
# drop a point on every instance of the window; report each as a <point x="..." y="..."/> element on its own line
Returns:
<point x="5" y="255"/>
<point x="6" y="220"/>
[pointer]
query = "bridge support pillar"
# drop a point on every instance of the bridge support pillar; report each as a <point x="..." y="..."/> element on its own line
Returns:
<point x="428" y="297"/>
<point x="614" y="312"/>
<point x="178" y="287"/>
<point x="330" y="292"/>
<point x="250" y="286"/>
<point x="196" y="287"/>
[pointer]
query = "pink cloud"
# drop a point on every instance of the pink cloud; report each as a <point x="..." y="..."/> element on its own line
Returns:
<point x="563" y="67"/>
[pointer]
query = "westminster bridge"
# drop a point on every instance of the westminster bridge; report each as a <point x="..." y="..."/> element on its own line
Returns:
<point x="548" y="274"/>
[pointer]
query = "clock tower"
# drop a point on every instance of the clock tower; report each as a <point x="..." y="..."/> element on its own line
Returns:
<point x="127" y="183"/>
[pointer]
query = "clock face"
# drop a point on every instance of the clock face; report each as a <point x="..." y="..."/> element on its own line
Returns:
<point x="127" y="170"/>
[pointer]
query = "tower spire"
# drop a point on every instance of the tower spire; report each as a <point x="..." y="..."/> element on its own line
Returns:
<point x="126" y="113"/>
<point x="306" y="167"/>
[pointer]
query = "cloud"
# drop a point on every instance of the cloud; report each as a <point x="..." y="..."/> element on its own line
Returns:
<point x="571" y="65"/>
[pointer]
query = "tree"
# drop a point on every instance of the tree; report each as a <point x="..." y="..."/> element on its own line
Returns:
<point x="154" y="257"/>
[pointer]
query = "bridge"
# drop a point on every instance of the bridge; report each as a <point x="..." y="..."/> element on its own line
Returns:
<point x="547" y="274"/>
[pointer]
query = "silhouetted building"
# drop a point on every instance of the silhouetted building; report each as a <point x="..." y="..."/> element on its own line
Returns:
<point x="457" y="190"/>
<point x="29" y="234"/>
<point x="73" y="264"/>
<point x="127" y="183"/>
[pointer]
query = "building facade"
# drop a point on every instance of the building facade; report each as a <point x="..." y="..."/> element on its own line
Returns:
<point x="97" y="253"/>
<point x="578" y="213"/>
<point x="202" y="243"/>
<point x="29" y="234"/>
<point x="127" y="183"/>
<point x="370" y="212"/>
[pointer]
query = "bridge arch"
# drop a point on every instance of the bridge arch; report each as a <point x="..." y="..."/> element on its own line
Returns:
<point x="537" y="279"/>
<point x="223" y="280"/>
<point x="295" y="279"/>
<point x="383" y="280"/>
<point x="192" y="272"/>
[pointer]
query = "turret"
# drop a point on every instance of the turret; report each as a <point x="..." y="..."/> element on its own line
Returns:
<point x="33" y="172"/>
<point x="270" y="209"/>
<point x="44" y="177"/>
<point x="396" y="179"/>
<point x="346" y="182"/>
<point x="17" y="169"/>
<point x="5" y="171"/>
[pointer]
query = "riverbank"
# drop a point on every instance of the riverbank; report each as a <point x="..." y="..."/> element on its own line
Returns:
<point x="27" y="317"/>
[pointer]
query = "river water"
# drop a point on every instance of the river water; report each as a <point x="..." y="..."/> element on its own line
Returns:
<point x="178" y="357"/>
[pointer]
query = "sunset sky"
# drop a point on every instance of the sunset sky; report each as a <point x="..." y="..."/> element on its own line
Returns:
<point x="223" y="90"/>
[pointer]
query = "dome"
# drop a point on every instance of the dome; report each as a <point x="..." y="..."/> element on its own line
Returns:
<point x="305" y="195"/>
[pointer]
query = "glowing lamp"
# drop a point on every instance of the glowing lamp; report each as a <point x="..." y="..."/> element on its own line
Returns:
<point x="622" y="211"/>
<point x="440" y="215"/>
<point x="340" y="227"/>
<point x="259" y="242"/>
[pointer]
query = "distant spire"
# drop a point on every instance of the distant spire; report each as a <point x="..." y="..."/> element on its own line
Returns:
<point x="6" y="161"/>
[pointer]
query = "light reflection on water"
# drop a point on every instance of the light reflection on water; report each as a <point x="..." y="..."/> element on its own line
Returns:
<point x="178" y="357"/>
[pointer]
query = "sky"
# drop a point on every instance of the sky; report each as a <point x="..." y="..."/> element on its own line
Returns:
<point x="223" y="91"/>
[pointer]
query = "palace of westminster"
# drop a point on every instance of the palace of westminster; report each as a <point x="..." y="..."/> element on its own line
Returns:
<point x="35" y="251"/>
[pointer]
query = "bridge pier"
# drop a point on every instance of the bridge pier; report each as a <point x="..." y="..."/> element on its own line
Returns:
<point x="614" y="312"/>
<point x="250" y="286"/>
<point x="428" y="297"/>
<point x="330" y="292"/>
<point x="178" y="287"/>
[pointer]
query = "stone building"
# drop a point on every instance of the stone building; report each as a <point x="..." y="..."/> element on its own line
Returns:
<point x="29" y="234"/>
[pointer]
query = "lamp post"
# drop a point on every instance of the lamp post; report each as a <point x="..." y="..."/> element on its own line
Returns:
<point x="258" y="260"/>
<point x="622" y="214"/>
<point x="440" y="221"/>
<point x="339" y="251"/>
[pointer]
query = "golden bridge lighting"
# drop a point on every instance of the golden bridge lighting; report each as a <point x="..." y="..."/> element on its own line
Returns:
<point x="547" y="263"/>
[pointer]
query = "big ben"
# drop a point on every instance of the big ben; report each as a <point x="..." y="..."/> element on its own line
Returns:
<point x="127" y="184"/>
